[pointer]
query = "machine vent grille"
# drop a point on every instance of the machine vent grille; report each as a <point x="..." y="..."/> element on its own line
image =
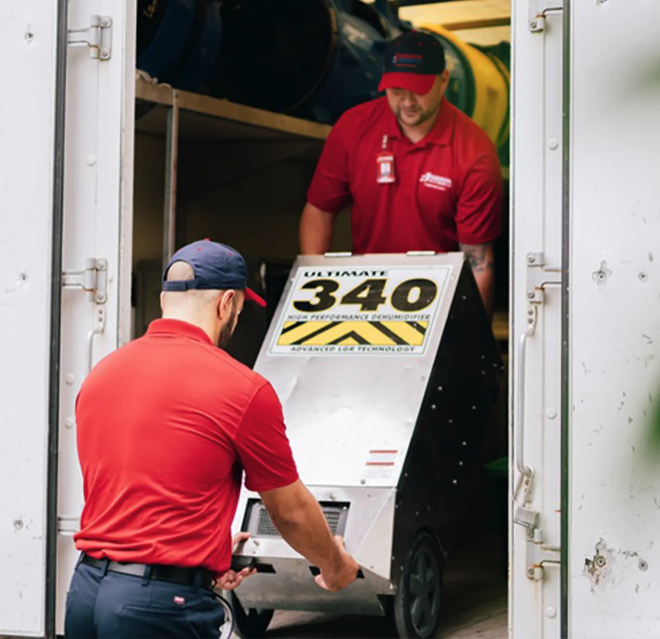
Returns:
<point x="334" y="515"/>
<point x="265" y="527"/>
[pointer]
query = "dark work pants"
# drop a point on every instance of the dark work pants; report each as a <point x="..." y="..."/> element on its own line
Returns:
<point x="109" y="605"/>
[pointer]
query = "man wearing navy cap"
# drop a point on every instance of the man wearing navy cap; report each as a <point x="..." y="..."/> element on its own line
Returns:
<point x="418" y="174"/>
<point x="166" y="427"/>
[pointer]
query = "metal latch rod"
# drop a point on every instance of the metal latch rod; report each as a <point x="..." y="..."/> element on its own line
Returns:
<point x="539" y="9"/>
<point x="538" y="278"/>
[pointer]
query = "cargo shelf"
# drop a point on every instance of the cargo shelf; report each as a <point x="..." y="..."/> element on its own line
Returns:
<point x="205" y="118"/>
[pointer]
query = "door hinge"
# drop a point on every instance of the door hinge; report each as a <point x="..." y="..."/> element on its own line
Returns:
<point x="538" y="9"/>
<point x="538" y="277"/>
<point x="98" y="37"/>
<point x="539" y="555"/>
<point x="94" y="279"/>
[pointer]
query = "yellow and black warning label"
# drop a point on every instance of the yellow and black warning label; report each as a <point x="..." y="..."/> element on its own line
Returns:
<point x="375" y="310"/>
<point x="354" y="333"/>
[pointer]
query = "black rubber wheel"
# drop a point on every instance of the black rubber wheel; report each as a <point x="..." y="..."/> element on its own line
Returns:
<point x="418" y="600"/>
<point x="251" y="623"/>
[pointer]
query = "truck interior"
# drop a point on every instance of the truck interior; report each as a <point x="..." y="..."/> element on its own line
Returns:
<point x="226" y="143"/>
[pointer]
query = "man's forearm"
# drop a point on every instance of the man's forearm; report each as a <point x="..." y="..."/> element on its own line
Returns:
<point x="482" y="260"/>
<point x="304" y="527"/>
<point x="486" y="285"/>
<point x="315" y="230"/>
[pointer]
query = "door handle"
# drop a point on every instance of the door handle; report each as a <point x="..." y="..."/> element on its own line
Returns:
<point x="99" y="328"/>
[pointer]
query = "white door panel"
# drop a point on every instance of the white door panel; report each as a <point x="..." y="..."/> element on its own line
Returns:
<point x="614" y="551"/>
<point x="536" y="406"/>
<point x="98" y="215"/>
<point x="27" y="130"/>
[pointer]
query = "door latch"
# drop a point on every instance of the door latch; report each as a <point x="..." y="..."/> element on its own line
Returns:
<point x="524" y="515"/>
<point x="98" y="37"/>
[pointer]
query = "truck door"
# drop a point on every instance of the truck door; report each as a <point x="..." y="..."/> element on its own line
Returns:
<point x="66" y="150"/>
<point x="613" y="462"/>
<point x="535" y="592"/>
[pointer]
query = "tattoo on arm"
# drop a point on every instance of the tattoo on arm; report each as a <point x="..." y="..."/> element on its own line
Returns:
<point x="480" y="256"/>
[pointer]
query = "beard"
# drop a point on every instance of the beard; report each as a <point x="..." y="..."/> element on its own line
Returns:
<point x="228" y="329"/>
<point x="417" y="116"/>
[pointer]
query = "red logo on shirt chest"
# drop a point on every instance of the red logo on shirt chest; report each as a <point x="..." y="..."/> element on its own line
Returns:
<point x="435" y="181"/>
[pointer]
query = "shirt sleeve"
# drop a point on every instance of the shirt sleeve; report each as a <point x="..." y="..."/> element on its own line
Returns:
<point x="330" y="187"/>
<point x="262" y="444"/>
<point x="479" y="208"/>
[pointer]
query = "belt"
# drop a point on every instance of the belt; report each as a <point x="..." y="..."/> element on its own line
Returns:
<point x="174" y="574"/>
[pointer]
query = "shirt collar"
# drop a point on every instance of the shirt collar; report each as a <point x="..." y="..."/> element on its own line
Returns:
<point x="178" y="328"/>
<point x="440" y="133"/>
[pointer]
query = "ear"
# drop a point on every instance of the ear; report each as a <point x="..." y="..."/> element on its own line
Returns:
<point x="444" y="79"/>
<point x="162" y="302"/>
<point x="225" y="303"/>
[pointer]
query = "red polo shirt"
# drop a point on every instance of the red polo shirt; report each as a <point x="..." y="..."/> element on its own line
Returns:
<point x="165" y="427"/>
<point x="448" y="186"/>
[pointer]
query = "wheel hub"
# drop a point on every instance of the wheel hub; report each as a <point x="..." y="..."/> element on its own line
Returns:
<point x="424" y="591"/>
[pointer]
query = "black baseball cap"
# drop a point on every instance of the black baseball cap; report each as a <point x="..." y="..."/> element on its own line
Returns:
<point x="216" y="266"/>
<point x="413" y="61"/>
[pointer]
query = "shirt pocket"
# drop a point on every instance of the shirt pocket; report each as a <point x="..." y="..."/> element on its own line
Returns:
<point x="435" y="197"/>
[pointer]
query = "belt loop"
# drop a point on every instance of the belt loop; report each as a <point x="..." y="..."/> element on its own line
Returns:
<point x="147" y="575"/>
<point x="197" y="581"/>
<point x="81" y="556"/>
<point x="105" y="568"/>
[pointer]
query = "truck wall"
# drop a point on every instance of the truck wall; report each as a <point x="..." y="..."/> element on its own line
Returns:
<point x="614" y="320"/>
<point x="585" y="401"/>
<point x="27" y="114"/>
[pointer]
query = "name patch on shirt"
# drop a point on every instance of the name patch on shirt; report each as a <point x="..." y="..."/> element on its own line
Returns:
<point x="435" y="181"/>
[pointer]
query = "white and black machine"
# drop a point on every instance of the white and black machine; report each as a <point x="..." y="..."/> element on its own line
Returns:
<point x="387" y="370"/>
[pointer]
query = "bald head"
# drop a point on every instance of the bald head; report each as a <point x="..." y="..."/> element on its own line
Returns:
<point x="183" y="272"/>
<point x="214" y="311"/>
<point x="180" y="271"/>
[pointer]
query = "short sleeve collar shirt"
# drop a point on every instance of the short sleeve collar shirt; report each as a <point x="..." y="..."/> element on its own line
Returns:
<point x="447" y="189"/>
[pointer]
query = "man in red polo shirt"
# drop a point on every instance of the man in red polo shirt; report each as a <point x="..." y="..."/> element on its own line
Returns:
<point x="166" y="427"/>
<point x="418" y="173"/>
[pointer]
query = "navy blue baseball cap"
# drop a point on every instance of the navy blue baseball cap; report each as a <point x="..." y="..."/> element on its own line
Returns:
<point x="216" y="267"/>
<point x="413" y="61"/>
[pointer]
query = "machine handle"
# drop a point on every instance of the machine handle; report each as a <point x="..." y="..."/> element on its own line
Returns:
<point x="316" y="571"/>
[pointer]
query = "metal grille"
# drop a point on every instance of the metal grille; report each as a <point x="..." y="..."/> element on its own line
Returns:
<point x="266" y="528"/>
<point x="332" y="517"/>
